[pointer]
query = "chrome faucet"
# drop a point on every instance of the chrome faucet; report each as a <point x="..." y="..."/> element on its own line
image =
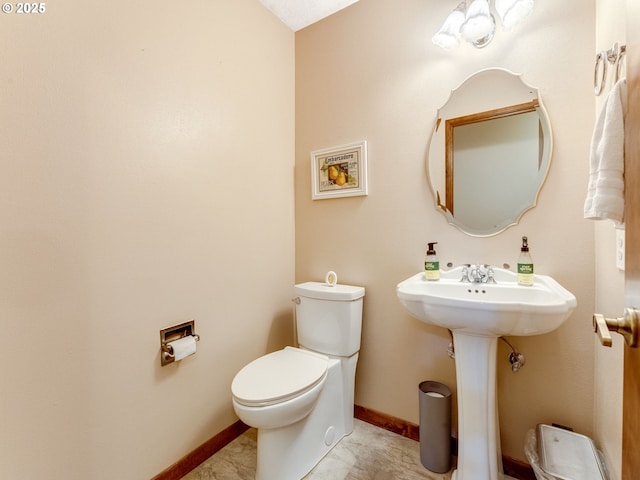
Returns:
<point x="478" y="273"/>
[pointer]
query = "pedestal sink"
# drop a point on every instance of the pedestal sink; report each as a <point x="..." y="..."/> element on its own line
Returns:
<point x="477" y="314"/>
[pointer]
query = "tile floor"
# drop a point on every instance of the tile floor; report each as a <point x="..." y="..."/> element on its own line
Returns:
<point x="369" y="453"/>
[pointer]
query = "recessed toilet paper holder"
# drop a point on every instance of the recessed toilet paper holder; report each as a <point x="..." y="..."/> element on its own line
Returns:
<point x="171" y="334"/>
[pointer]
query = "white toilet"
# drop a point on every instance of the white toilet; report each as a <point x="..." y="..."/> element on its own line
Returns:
<point x="301" y="399"/>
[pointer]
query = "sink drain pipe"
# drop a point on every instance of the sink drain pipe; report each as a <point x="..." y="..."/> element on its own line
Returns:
<point x="516" y="359"/>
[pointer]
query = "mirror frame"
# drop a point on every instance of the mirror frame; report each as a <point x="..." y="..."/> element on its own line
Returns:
<point x="535" y="104"/>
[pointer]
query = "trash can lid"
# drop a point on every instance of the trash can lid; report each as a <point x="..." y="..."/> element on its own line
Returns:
<point x="434" y="389"/>
<point x="568" y="455"/>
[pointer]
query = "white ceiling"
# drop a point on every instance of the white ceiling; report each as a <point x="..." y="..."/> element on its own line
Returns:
<point x="297" y="14"/>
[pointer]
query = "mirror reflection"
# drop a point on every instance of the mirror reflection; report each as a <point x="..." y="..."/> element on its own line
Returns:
<point x="489" y="152"/>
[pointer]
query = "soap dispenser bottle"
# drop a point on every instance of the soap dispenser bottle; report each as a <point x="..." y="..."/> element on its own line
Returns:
<point x="431" y="264"/>
<point x="525" y="264"/>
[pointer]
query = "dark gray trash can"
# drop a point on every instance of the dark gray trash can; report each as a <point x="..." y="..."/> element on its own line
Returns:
<point x="435" y="426"/>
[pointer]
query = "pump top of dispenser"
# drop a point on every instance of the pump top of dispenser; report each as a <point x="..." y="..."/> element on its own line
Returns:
<point x="525" y="245"/>
<point x="431" y="250"/>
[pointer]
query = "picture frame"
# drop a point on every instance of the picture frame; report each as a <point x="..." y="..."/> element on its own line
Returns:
<point x="339" y="171"/>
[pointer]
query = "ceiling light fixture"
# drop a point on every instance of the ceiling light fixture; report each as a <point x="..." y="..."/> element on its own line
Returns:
<point x="473" y="21"/>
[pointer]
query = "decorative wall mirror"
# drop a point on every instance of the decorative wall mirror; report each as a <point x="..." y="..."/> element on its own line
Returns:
<point x="489" y="153"/>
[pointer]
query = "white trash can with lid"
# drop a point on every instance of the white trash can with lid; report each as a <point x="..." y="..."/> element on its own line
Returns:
<point x="559" y="454"/>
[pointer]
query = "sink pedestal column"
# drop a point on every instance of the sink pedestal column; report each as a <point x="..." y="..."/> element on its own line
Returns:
<point x="479" y="454"/>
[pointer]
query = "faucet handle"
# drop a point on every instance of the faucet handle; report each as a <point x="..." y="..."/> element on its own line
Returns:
<point x="465" y="273"/>
<point x="490" y="275"/>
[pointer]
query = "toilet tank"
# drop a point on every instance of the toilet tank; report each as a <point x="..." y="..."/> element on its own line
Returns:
<point x="329" y="318"/>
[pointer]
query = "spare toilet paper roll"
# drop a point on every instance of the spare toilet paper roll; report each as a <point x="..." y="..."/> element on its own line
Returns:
<point x="331" y="278"/>
<point x="183" y="347"/>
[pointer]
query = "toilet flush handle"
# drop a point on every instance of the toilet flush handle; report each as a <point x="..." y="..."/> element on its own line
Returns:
<point x="627" y="326"/>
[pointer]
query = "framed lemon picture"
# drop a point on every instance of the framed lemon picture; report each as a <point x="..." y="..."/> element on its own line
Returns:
<point x="339" y="171"/>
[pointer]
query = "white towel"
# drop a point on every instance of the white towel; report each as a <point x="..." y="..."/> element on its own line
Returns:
<point x="605" y="193"/>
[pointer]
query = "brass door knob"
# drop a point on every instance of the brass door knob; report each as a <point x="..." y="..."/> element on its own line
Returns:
<point x="627" y="326"/>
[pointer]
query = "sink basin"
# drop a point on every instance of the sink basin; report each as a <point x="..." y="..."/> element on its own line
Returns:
<point x="477" y="314"/>
<point x="496" y="309"/>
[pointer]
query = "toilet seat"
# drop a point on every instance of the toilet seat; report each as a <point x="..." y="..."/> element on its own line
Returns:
<point x="279" y="376"/>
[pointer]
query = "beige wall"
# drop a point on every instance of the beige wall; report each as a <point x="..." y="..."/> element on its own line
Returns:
<point x="610" y="28"/>
<point x="147" y="161"/>
<point x="371" y="73"/>
<point x="136" y="140"/>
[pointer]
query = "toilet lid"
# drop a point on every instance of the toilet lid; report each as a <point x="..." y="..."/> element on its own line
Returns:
<point x="278" y="376"/>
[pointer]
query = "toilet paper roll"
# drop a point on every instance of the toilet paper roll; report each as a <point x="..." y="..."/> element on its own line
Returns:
<point x="183" y="347"/>
<point x="331" y="278"/>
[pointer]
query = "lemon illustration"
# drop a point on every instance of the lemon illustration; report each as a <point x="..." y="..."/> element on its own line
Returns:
<point x="333" y="173"/>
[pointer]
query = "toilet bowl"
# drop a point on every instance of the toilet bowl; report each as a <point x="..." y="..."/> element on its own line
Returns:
<point x="300" y="399"/>
<point x="280" y="388"/>
<point x="299" y="428"/>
